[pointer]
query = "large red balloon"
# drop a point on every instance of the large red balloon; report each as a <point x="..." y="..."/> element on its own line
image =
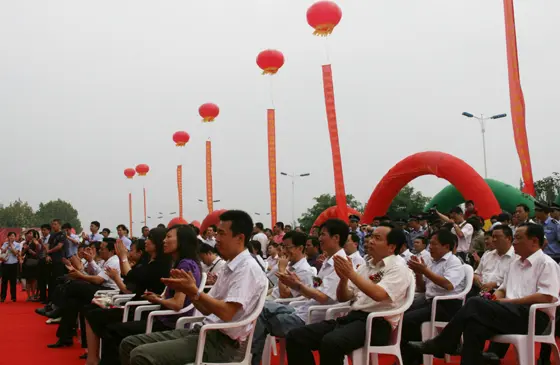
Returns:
<point x="181" y="138"/>
<point x="196" y="224"/>
<point x="332" y="212"/>
<point x="323" y="16"/>
<point x="469" y="183"/>
<point x="208" y="112"/>
<point x="270" y="61"/>
<point x="129" y="173"/>
<point x="176" y="221"/>
<point x="211" y="219"/>
<point x="142" y="169"/>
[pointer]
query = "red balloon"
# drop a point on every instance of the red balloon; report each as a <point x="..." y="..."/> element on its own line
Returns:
<point x="270" y="61"/>
<point x="129" y="173"/>
<point x="176" y="221"/>
<point x="196" y="224"/>
<point x="332" y="212"/>
<point x="208" y="112"/>
<point x="323" y="16"/>
<point x="445" y="166"/>
<point x="211" y="219"/>
<point x="181" y="138"/>
<point x="142" y="169"/>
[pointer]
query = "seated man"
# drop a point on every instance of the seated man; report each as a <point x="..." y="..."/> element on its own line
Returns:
<point x="405" y="254"/>
<point x="234" y="296"/>
<point x="379" y="285"/>
<point x="532" y="278"/>
<point x="80" y="291"/>
<point x="294" y="244"/>
<point x="212" y="264"/>
<point x="420" y="244"/>
<point x="278" y="319"/>
<point x="444" y="276"/>
<point x="494" y="265"/>
<point x="351" y="249"/>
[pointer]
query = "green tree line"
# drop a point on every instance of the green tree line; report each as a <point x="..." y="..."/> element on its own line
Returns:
<point x="20" y="214"/>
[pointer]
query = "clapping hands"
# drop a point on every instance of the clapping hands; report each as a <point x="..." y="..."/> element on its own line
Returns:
<point x="152" y="298"/>
<point x="121" y="250"/>
<point x="417" y="265"/>
<point x="290" y="279"/>
<point x="112" y="273"/>
<point x="182" y="281"/>
<point x="343" y="267"/>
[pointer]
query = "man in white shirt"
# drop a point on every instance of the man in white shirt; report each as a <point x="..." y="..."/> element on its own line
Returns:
<point x="212" y="264"/>
<point x="463" y="230"/>
<point x="532" y="279"/>
<point x="234" y="296"/>
<point x="80" y="291"/>
<point x="444" y="276"/>
<point x="405" y="254"/>
<point x="379" y="285"/>
<point x="351" y="249"/>
<point x="420" y="251"/>
<point x="209" y="235"/>
<point x="278" y="319"/>
<point x="259" y="235"/>
<point x="294" y="244"/>
<point x="94" y="236"/>
<point x="494" y="265"/>
<point x="122" y="232"/>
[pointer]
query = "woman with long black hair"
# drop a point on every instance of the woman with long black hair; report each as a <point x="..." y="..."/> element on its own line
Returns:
<point x="182" y="244"/>
<point x="151" y="265"/>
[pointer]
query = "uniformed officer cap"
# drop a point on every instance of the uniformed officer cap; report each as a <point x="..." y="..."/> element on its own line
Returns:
<point x="354" y="218"/>
<point x="541" y="206"/>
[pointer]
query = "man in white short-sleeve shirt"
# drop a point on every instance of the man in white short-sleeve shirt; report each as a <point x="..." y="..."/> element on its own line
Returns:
<point x="379" y="285"/>
<point x="233" y="298"/>
<point x="278" y="319"/>
<point x="260" y="236"/>
<point x="445" y="276"/>
<point x="533" y="278"/>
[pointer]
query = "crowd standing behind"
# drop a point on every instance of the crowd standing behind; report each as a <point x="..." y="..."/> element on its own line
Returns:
<point x="368" y="267"/>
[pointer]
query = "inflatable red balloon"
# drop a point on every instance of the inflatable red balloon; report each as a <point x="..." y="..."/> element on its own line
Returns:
<point x="142" y="169"/>
<point x="212" y="219"/>
<point x="176" y="221"/>
<point x="181" y="138"/>
<point x="208" y="112"/>
<point x="331" y="213"/>
<point x="196" y="224"/>
<point x="129" y="173"/>
<point x="323" y="16"/>
<point x="270" y="61"/>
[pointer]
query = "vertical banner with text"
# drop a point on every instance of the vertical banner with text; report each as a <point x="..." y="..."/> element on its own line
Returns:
<point x="271" y="123"/>
<point x="517" y="101"/>
<point x="180" y="188"/>
<point x="145" y="212"/>
<point x="209" y="191"/>
<point x="340" y="193"/>
<point x="130" y="212"/>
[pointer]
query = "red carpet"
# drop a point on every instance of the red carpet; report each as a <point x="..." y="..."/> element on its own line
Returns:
<point x="24" y="337"/>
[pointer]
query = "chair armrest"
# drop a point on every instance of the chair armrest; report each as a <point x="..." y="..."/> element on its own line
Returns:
<point x="120" y="297"/>
<point x="443" y="297"/>
<point x="323" y="308"/>
<point x="541" y="306"/>
<point x="332" y="312"/>
<point x="110" y="291"/>
<point x="297" y="303"/>
<point x="145" y="308"/>
<point x="166" y="312"/>
<point x="289" y="300"/>
<point x="131" y="304"/>
<point x="181" y="322"/>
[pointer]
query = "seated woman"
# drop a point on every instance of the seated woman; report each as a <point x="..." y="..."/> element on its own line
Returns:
<point x="181" y="243"/>
<point x="151" y="265"/>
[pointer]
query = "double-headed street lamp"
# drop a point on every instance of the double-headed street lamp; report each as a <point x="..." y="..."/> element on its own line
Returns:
<point x="294" y="176"/>
<point x="482" y="121"/>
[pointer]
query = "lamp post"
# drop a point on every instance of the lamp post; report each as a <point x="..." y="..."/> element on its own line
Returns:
<point x="294" y="176"/>
<point x="482" y="120"/>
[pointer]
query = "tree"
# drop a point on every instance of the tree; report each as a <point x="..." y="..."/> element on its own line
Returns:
<point x="548" y="188"/>
<point x="17" y="214"/>
<point x="408" y="201"/>
<point x="58" y="209"/>
<point x="323" y="202"/>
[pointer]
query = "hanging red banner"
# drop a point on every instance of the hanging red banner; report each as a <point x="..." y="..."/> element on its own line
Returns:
<point x="340" y="193"/>
<point x="130" y="211"/>
<point x="209" y="192"/>
<point x="180" y="188"/>
<point x="145" y="212"/>
<point x="271" y="119"/>
<point x="517" y="102"/>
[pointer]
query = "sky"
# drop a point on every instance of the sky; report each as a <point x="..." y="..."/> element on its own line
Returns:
<point x="88" y="89"/>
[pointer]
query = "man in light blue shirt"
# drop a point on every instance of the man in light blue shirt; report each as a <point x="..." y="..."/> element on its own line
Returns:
<point x="94" y="236"/>
<point x="122" y="231"/>
<point x="9" y="257"/>
<point x="72" y="241"/>
<point x="551" y="229"/>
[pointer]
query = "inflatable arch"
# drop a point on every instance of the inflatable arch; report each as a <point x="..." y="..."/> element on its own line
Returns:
<point x="443" y="165"/>
<point x="332" y="212"/>
<point x="508" y="197"/>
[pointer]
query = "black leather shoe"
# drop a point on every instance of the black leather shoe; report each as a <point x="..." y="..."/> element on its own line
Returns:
<point x="57" y="313"/>
<point x="541" y="361"/>
<point x="427" y="348"/>
<point x="83" y="356"/>
<point x="60" y="343"/>
<point x="490" y="358"/>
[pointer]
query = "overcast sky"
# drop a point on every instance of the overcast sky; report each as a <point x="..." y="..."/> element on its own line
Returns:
<point x="90" y="88"/>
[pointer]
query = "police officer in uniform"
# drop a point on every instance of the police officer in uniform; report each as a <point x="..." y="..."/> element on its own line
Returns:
<point x="551" y="229"/>
<point x="354" y="228"/>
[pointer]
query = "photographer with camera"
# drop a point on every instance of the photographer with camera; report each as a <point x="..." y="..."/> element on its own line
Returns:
<point x="462" y="229"/>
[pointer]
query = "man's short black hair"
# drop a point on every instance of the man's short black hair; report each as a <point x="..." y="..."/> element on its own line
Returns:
<point x="66" y="226"/>
<point x="446" y="238"/>
<point x="259" y="225"/>
<point x="422" y="239"/>
<point x="46" y="226"/>
<point x="355" y="238"/>
<point x="123" y="227"/>
<point x="96" y="223"/>
<point x="337" y="227"/>
<point x="280" y="225"/>
<point x="508" y="232"/>
<point x="469" y="202"/>
<point x="205" y="248"/>
<point x="524" y="206"/>
<point x="110" y="243"/>
<point x="106" y="230"/>
<point x="397" y="237"/>
<point x="145" y="227"/>
<point x="534" y="231"/>
<point x="314" y="241"/>
<point x="241" y="223"/>
<point x="298" y="238"/>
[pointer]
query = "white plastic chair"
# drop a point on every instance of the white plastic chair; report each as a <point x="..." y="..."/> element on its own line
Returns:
<point x="159" y="313"/>
<point x="429" y="329"/>
<point x="251" y="320"/>
<point x="136" y="303"/>
<point x="106" y="292"/>
<point x="525" y="344"/>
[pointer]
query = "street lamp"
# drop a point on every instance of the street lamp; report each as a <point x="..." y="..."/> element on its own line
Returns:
<point x="294" y="176"/>
<point x="482" y="121"/>
<point x="214" y="201"/>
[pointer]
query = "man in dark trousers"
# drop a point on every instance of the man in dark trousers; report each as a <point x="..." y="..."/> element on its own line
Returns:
<point x="55" y="253"/>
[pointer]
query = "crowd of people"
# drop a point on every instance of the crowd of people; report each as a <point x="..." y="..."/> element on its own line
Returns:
<point x="368" y="266"/>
